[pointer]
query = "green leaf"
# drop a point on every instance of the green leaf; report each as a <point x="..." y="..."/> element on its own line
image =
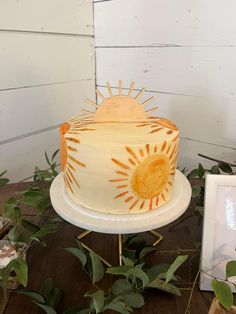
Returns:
<point x="16" y="215"/>
<point x="21" y="269"/>
<point x="223" y="293"/>
<point x="201" y="171"/>
<point x="121" y="286"/>
<point x="127" y="261"/>
<point x="77" y="310"/>
<point x="97" y="267"/>
<point x="130" y="253"/>
<point x="46" y="288"/>
<point x="46" y="308"/>
<point x="215" y="170"/>
<point x="231" y="269"/>
<point x="134" y="239"/>
<point x="55" y="153"/>
<point x="11" y="203"/>
<point x="157" y="270"/>
<point x="134" y="299"/>
<point x="13" y="234"/>
<point x="196" y="190"/>
<point x="3" y="181"/>
<point x="193" y="174"/>
<point x="146" y="250"/>
<point x="138" y="273"/>
<point x="33" y="295"/>
<point x="30" y="226"/>
<point x="225" y="167"/>
<point x="37" y="199"/>
<point x="118" y="306"/>
<point x="45" y="230"/>
<point x="78" y="253"/>
<point x="160" y="284"/>
<point x="5" y="272"/>
<point x="119" y="270"/>
<point x="47" y="159"/>
<point x="175" y="265"/>
<point x="1" y="174"/>
<point x="98" y="299"/>
<point x="54" y="297"/>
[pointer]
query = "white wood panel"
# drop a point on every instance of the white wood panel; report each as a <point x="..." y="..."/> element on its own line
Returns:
<point x="165" y="22"/>
<point x="200" y="118"/>
<point x="20" y="157"/>
<point x="205" y="72"/>
<point x="188" y="154"/>
<point x="29" y="109"/>
<point x="31" y="59"/>
<point x="60" y="16"/>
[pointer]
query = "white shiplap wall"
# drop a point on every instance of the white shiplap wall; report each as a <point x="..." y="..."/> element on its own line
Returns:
<point x="184" y="53"/>
<point x="47" y="70"/>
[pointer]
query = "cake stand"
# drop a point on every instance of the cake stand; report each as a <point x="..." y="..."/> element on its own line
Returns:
<point x="118" y="223"/>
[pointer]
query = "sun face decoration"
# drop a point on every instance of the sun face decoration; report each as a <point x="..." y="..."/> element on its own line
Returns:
<point x="146" y="176"/>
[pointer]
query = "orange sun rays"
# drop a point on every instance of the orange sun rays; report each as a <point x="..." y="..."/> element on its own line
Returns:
<point x="135" y="159"/>
<point x="72" y="155"/>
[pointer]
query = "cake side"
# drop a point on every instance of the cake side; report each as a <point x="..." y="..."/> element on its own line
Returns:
<point x="119" y="167"/>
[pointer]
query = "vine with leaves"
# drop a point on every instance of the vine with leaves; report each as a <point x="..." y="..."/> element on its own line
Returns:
<point x="126" y="292"/>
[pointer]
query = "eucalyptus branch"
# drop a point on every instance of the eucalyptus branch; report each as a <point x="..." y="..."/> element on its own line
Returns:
<point x="216" y="160"/>
<point x="191" y="293"/>
<point x="31" y="177"/>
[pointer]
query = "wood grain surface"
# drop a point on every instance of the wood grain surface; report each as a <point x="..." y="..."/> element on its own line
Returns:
<point x="67" y="274"/>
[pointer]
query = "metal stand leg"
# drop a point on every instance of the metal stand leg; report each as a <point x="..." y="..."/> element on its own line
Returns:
<point x="157" y="235"/>
<point x="84" y="234"/>
<point x="87" y="232"/>
<point x="120" y="249"/>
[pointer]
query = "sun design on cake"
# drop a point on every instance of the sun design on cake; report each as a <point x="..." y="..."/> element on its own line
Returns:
<point x="69" y="151"/>
<point x="118" y="157"/>
<point x="146" y="176"/>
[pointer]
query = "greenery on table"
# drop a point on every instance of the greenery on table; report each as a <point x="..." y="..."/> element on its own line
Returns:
<point x="3" y="180"/>
<point x="222" y="288"/>
<point x="23" y="230"/>
<point x="126" y="292"/>
<point x="134" y="277"/>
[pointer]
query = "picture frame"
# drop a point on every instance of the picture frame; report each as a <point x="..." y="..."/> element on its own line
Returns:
<point x="219" y="228"/>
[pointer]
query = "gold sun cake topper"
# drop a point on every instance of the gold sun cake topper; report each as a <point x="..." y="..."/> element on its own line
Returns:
<point x="120" y="108"/>
<point x="141" y="175"/>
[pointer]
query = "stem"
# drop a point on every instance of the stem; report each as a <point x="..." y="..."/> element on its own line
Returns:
<point x="191" y="293"/>
<point x="217" y="160"/>
<point x="34" y="174"/>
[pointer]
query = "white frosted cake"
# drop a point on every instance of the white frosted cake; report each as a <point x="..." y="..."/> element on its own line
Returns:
<point x="119" y="159"/>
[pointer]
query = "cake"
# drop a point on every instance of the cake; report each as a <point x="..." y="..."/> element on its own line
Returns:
<point x="119" y="159"/>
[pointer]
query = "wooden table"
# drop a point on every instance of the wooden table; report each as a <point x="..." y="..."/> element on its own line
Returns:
<point x="66" y="272"/>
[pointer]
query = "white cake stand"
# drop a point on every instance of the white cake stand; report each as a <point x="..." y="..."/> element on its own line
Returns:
<point x="117" y="223"/>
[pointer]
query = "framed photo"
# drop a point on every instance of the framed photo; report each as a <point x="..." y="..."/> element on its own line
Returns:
<point x="219" y="228"/>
